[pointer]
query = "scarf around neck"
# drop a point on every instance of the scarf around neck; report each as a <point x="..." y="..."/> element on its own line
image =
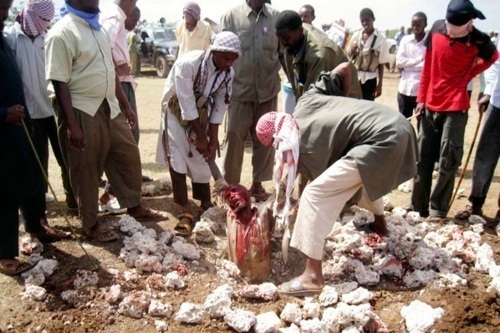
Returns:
<point x="91" y="18"/>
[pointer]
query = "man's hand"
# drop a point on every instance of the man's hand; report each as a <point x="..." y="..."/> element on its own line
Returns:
<point x="76" y="137"/>
<point x="201" y="145"/>
<point x="483" y="103"/>
<point x="420" y="110"/>
<point x="212" y="150"/>
<point x="131" y="117"/>
<point x="123" y="69"/>
<point x="378" y="91"/>
<point x="15" y="114"/>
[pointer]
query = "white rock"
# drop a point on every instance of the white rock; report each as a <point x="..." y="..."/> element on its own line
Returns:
<point x="166" y="237"/>
<point x="148" y="263"/>
<point x="329" y="296"/>
<point x="171" y="259"/>
<point x="173" y="280"/>
<point x="155" y="282"/>
<point x="149" y="189"/>
<point x="388" y="206"/>
<point x="227" y="269"/>
<point x="399" y="211"/>
<point x="35" y="258"/>
<point x="345" y="287"/>
<point x="477" y="228"/>
<point x="218" y="303"/>
<point x="420" y="317"/>
<point x="159" y="309"/>
<point x="215" y="217"/>
<point x="31" y="244"/>
<point x="143" y="242"/>
<point x="494" y="285"/>
<point x="494" y="271"/>
<point x="418" y="278"/>
<point x="330" y="317"/>
<point x="114" y="294"/>
<point x="310" y="309"/>
<point x="43" y="269"/>
<point x="358" y="296"/>
<point x="203" y="232"/>
<point x="345" y="314"/>
<point x="129" y="225"/>
<point x="450" y="280"/>
<point x="190" y="313"/>
<point x="240" y="320"/>
<point x="267" y="322"/>
<point x="135" y="304"/>
<point x="314" y="326"/>
<point x="422" y="257"/>
<point x="188" y="251"/>
<point x="292" y="329"/>
<point x="85" y="278"/>
<point x="413" y="217"/>
<point x="161" y="326"/>
<point x="406" y="187"/>
<point x="476" y="219"/>
<point x="71" y="297"/>
<point x="351" y="329"/>
<point x="391" y="266"/>
<point x="34" y="293"/>
<point x="266" y="291"/>
<point x="291" y="313"/>
<point x="484" y="258"/>
<point x="150" y="233"/>
<point x="366" y="276"/>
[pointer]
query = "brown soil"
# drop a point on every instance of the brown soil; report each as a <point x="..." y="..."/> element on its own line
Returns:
<point x="466" y="309"/>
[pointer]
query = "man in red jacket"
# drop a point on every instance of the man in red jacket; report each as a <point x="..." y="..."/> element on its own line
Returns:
<point x="456" y="53"/>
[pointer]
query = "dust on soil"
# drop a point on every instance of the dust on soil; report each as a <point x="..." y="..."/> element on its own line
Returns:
<point x="466" y="309"/>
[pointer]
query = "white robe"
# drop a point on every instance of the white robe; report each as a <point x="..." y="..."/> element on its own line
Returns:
<point x="180" y="82"/>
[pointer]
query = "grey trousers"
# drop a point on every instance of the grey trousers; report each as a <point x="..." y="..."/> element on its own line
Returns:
<point x="441" y="140"/>
<point x="242" y="118"/>
<point x="129" y="91"/>
<point x="487" y="154"/>
<point x="110" y="147"/>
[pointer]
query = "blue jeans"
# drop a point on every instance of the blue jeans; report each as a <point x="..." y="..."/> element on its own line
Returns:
<point x="487" y="154"/>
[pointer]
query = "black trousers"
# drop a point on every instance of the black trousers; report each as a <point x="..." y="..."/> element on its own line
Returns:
<point x="368" y="89"/>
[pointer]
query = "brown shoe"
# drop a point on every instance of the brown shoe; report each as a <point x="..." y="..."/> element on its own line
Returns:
<point x="49" y="235"/>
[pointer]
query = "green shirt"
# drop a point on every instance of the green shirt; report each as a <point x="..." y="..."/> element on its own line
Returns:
<point x="256" y="72"/>
<point x="318" y="53"/>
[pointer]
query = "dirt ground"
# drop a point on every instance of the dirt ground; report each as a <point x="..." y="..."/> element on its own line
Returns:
<point x="466" y="309"/>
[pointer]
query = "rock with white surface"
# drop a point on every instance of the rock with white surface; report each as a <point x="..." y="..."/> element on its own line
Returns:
<point x="170" y="259"/>
<point x="114" y="294"/>
<point x="329" y="296"/>
<point x="351" y="329"/>
<point x="71" y="297"/>
<point x="292" y="329"/>
<point x="266" y="291"/>
<point x="148" y="263"/>
<point x="34" y="293"/>
<point x="310" y="308"/>
<point x="190" y="313"/>
<point x="158" y="308"/>
<point x="345" y="287"/>
<point x="420" y="317"/>
<point x="366" y="276"/>
<point x="291" y="313"/>
<point x="476" y="219"/>
<point x="358" y="296"/>
<point x="173" y="280"/>
<point x="240" y="320"/>
<point x="135" y="304"/>
<point x="314" y="326"/>
<point x="129" y="225"/>
<point x="85" y="278"/>
<point x="203" y="233"/>
<point x="186" y="250"/>
<point x="218" y="303"/>
<point x="161" y="326"/>
<point x="267" y="322"/>
<point x="418" y="278"/>
<point x="484" y="258"/>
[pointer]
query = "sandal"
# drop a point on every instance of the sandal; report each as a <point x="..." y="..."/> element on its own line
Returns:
<point x="298" y="289"/>
<point x="103" y="235"/>
<point x="13" y="267"/>
<point x="185" y="225"/>
<point x="469" y="210"/>
<point x="145" y="214"/>
<point x="49" y="235"/>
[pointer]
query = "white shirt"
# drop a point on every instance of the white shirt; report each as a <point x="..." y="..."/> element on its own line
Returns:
<point x="113" y="21"/>
<point x="336" y="33"/>
<point x="492" y="79"/>
<point x="30" y="58"/>
<point x="410" y="59"/>
<point x="380" y="46"/>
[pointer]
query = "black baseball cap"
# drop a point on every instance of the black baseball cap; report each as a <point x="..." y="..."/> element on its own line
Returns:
<point x="460" y="12"/>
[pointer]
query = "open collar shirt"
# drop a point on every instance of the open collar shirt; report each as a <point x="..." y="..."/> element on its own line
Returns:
<point x="81" y="57"/>
<point x="410" y="59"/>
<point x="198" y="39"/>
<point x="30" y="59"/>
<point x="380" y="46"/>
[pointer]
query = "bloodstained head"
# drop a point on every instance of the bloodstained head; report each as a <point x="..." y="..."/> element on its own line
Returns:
<point x="237" y="197"/>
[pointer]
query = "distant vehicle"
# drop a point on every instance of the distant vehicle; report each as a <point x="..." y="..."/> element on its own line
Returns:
<point x="393" y="49"/>
<point x="159" y="47"/>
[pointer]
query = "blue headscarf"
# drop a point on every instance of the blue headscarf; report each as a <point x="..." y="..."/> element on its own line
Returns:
<point x="91" y="18"/>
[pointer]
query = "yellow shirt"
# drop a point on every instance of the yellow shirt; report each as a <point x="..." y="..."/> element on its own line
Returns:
<point x="198" y="39"/>
<point x="81" y="57"/>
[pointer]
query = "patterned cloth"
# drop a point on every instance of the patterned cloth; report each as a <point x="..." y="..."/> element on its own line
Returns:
<point x="281" y="128"/>
<point x="225" y="41"/>
<point x="36" y="16"/>
<point x="192" y="8"/>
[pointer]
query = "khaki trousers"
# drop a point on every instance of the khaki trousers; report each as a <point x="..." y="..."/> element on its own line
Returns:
<point x="109" y="147"/>
<point x="323" y="200"/>
<point x="242" y="118"/>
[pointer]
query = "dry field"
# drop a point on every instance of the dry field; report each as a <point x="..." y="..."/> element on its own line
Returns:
<point x="467" y="309"/>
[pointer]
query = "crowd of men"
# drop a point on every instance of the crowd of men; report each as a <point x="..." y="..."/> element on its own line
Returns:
<point x="334" y="136"/>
